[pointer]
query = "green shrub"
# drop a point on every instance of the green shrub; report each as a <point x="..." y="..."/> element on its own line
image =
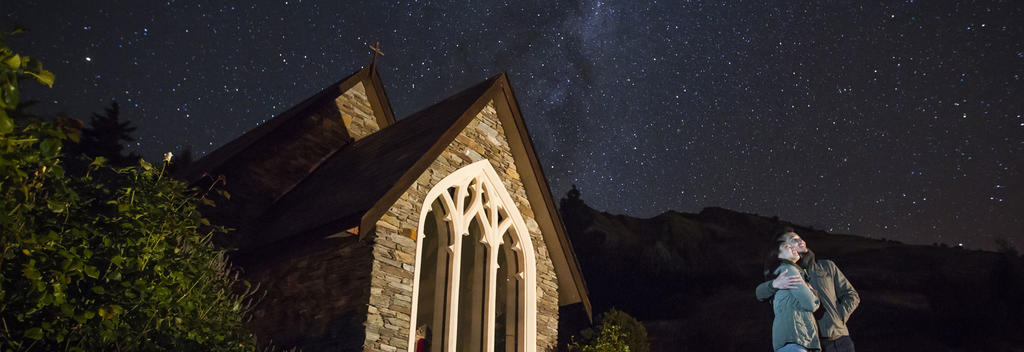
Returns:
<point x="109" y="260"/>
<point x="617" y="332"/>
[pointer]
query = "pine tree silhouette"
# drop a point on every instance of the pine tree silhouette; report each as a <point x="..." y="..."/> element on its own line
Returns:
<point x="104" y="135"/>
<point x="572" y="199"/>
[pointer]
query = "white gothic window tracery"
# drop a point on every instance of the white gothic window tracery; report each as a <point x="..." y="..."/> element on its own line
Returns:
<point x="475" y="277"/>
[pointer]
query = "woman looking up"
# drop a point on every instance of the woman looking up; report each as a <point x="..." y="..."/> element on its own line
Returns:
<point x="794" y="328"/>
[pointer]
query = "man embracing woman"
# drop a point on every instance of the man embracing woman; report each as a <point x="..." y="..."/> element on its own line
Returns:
<point x="794" y="328"/>
<point x="798" y="285"/>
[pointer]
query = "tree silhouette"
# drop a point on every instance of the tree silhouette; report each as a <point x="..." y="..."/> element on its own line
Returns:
<point x="104" y="135"/>
<point x="572" y="198"/>
<point x="574" y="212"/>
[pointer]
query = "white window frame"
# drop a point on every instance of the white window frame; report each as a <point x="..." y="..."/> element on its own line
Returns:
<point x="459" y="218"/>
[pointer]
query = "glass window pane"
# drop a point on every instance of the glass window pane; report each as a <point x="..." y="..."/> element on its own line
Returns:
<point x="472" y="283"/>
<point x="433" y="275"/>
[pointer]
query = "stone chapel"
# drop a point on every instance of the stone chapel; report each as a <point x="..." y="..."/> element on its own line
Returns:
<point x="367" y="233"/>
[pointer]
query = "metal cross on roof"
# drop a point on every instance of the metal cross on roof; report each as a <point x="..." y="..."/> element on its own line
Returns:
<point x="376" y="51"/>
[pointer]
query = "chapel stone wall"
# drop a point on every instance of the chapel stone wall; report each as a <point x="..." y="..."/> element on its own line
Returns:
<point x="388" y="319"/>
<point x="356" y="112"/>
<point x="315" y="293"/>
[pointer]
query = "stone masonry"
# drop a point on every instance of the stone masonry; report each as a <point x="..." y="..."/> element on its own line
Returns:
<point x="356" y="112"/>
<point x="390" y="303"/>
<point x="265" y="172"/>
<point x="316" y="289"/>
<point x="316" y="293"/>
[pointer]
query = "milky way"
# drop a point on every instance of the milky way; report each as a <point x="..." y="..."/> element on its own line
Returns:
<point x="902" y="121"/>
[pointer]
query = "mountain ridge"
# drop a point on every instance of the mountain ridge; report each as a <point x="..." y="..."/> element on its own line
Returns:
<point x="690" y="278"/>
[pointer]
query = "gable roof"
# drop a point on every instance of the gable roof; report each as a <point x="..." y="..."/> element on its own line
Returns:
<point x="338" y="194"/>
<point x="266" y="162"/>
<point x="357" y="182"/>
<point x="262" y="134"/>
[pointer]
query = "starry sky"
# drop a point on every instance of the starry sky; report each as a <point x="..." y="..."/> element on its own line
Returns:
<point x="899" y="120"/>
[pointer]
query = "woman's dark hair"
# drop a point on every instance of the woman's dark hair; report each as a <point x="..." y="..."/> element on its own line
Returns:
<point x="771" y="259"/>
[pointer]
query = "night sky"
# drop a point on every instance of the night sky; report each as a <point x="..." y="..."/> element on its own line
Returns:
<point x="902" y="121"/>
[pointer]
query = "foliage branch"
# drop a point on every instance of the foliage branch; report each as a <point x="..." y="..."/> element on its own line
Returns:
<point x="114" y="259"/>
<point x="617" y="332"/>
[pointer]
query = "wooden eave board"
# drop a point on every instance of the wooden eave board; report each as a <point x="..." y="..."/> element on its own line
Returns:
<point x="571" y="282"/>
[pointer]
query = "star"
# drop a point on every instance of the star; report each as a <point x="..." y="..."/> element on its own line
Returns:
<point x="774" y="109"/>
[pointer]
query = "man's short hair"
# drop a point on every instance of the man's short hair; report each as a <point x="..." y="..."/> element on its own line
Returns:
<point x="781" y="231"/>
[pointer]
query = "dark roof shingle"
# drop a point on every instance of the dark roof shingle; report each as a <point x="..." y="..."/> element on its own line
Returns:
<point x="335" y="196"/>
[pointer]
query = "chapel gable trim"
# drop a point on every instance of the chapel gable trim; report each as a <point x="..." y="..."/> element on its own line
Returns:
<point x="378" y="98"/>
<point x="420" y="166"/>
<point x="566" y="264"/>
<point x="337" y="194"/>
<point x="572" y="288"/>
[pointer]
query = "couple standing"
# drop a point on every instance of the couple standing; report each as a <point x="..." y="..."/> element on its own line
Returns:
<point x="812" y="298"/>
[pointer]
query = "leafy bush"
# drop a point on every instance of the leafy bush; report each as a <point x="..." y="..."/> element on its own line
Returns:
<point x="109" y="260"/>
<point x="610" y="338"/>
<point x="617" y="332"/>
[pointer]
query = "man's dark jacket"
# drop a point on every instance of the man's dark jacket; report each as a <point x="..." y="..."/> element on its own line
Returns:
<point x="836" y="294"/>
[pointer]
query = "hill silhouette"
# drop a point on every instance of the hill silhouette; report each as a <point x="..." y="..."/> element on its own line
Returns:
<point x="690" y="279"/>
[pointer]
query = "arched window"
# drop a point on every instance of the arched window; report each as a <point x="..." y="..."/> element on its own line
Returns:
<point x="475" y="280"/>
